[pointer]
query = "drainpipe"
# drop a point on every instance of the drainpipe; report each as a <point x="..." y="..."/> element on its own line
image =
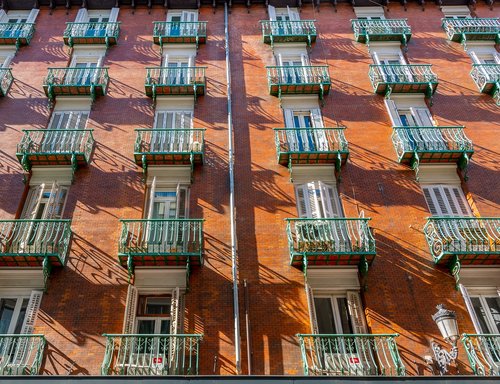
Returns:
<point x="234" y="241"/>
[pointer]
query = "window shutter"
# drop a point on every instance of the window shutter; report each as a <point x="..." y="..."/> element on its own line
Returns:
<point x="470" y="308"/>
<point x="181" y="197"/>
<point x="301" y="201"/>
<point x="50" y="209"/>
<point x="356" y="312"/>
<point x="293" y="14"/>
<point x="423" y="117"/>
<point x="375" y="58"/>
<point x="312" y="201"/>
<point x="288" y="113"/>
<point x="113" y="16"/>
<point x="437" y="201"/>
<point x="130" y="310"/>
<point x="451" y="202"/>
<point x="304" y="59"/>
<point x="174" y="311"/>
<point x="316" y="118"/>
<point x="99" y="62"/>
<point x="462" y="203"/>
<point x="160" y="120"/>
<point x="82" y="16"/>
<point x="34" y="199"/>
<point x="312" y="309"/>
<point x="152" y="189"/>
<point x="393" y="112"/>
<point x="3" y="15"/>
<point x="7" y="61"/>
<point x="474" y="57"/>
<point x="31" y="312"/>
<point x="32" y="16"/>
<point x="329" y="200"/>
<point x="272" y="12"/>
<point x="430" y="201"/>
<point x="401" y="58"/>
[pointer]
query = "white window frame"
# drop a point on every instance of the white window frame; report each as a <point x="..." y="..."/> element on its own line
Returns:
<point x="456" y="11"/>
<point x="17" y="309"/>
<point x="36" y="197"/>
<point x="488" y="319"/>
<point x="152" y="198"/>
<point x="59" y="114"/>
<point x="330" y="205"/>
<point x="157" y="319"/>
<point x="445" y="192"/>
<point x="187" y="15"/>
<point x="370" y="13"/>
<point x="335" y="309"/>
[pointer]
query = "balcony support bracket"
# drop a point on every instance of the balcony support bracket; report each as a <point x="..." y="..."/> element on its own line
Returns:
<point x="144" y="167"/>
<point x="25" y="163"/>
<point x="338" y="167"/>
<point x="415" y="163"/>
<point x="363" y="271"/>
<point x="454" y="266"/>
<point x="46" y="268"/>
<point x="388" y="92"/>
<point x="463" y="164"/>
<point x="130" y="267"/>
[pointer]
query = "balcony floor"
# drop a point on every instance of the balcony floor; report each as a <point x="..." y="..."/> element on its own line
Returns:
<point x="289" y="39"/>
<point x="15" y="258"/>
<point x="74" y="90"/>
<point x="285" y="158"/>
<point x="165" y="90"/>
<point x="168" y="158"/>
<point x="362" y="38"/>
<point x="434" y="156"/>
<point x="171" y="259"/>
<point x="486" y="255"/>
<point x="81" y="40"/>
<point x="179" y="40"/>
<point x="329" y="259"/>
<point x="382" y="88"/>
<point x="299" y="89"/>
<point x="35" y="159"/>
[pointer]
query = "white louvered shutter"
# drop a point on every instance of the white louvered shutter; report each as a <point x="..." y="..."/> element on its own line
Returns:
<point x="130" y="310"/>
<point x="312" y="200"/>
<point x="272" y="12"/>
<point x="293" y="14"/>
<point x="312" y="309"/>
<point x="174" y="311"/>
<point x="113" y="16"/>
<point x="7" y="61"/>
<point x="181" y="197"/>
<point x="302" y="206"/>
<point x="462" y="204"/>
<point x="50" y="208"/>
<point x="320" y="138"/>
<point x="470" y="308"/>
<point x="423" y="116"/>
<point x="289" y="123"/>
<point x="431" y="201"/>
<point x="356" y="313"/>
<point x="316" y="118"/>
<point x="152" y="190"/>
<point x="304" y="59"/>
<point x="329" y="200"/>
<point x="393" y="112"/>
<point x="189" y="16"/>
<point x="375" y="58"/>
<point x="3" y="16"/>
<point x="33" y="202"/>
<point x="160" y="119"/>
<point x="82" y="16"/>
<point x="32" y="16"/>
<point x="31" y="312"/>
<point x="474" y="57"/>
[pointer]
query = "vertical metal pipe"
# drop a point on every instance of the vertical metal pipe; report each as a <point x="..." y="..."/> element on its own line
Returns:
<point x="234" y="241"/>
<point x="247" y="326"/>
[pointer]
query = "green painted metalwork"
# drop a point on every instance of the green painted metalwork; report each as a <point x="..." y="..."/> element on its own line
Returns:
<point x="91" y="33"/>
<point x="16" y="33"/>
<point x="298" y="79"/>
<point x="462" y="30"/>
<point x="169" y="146"/>
<point x="475" y="240"/>
<point x="55" y="147"/>
<point x="6" y="80"/>
<point x="415" y="145"/>
<point x="403" y="78"/>
<point x="332" y="241"/>
<point x="285" y="31"/>
<point x="151" y="355"/>
<point x="21" y="354"/>
<point x="366" y="31"/>
<point x="487" y="79"/>
<point x="175" y="81"/>
<point x="76" y="82"/>
<point x="185" y="32"/>
<point x="351" y="355"/>
<point x="483" y="352"/>
<point x="160" y="242"/>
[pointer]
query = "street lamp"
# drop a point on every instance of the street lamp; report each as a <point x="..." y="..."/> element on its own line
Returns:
<point x="446" y="321"/>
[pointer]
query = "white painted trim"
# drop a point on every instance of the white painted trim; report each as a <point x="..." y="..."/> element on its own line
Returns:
<point x="300" y="102"/>
<point x="333" y="279"/>
<point x="455" y="10"/>
<point x="305" y="173"/>
<point x="159" y="280"/>
<point x="369" y="11"/>
<point x="62" y="175"/>
<point x="168" y="177"/>
<point x="480" y="279"/>
<point x="174" y="103"/>
<point x="73" y="104"/>
<point x="20" y="281"/>
<point x="438" y="174"/>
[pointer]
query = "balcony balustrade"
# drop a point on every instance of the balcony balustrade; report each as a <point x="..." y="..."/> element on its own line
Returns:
<point x="175" y="81"/>
<point x="366" y="31"/>
<point x="91" y="33"/>
<point x="172" y="32"/>
<point x="285" y="31"/>
<point x="77" y="81"/>
<point x="21" y="354"/>
<point x="294" y="79"/>
<point x="483" y="352"/>
<point x="463" y="30"/>
<point x="17" y="34"/>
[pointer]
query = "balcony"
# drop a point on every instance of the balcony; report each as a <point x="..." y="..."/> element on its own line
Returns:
<point x="403" y="78"/>
<point x="55" y="147"/>
<point x="169" y="146"/>
<point x="463" y="30"/>
<point x="483" y="352"/>
<point x="179" y="32"/>
<point x="34" y="243"/>
<point x="366" y="31"/>
<point x="333" y="241"/>
<point x="21" y="354"/>
<point x="16" y="33"/>
<point x="164" y="81"/>
<point x="286" y="31"/>
<point x="487" y="79"/>
<point x="311" y="146"/>
<point x="350" y="355"/>
<point x="293" y="80"/>
<point x="151" y="355"/>
<point x="6" y="80"/>
<point x="91" y="33"/>
<point x="91" y="82"/>
<point x="160" y="242"/>
<point x="416" y="145"/>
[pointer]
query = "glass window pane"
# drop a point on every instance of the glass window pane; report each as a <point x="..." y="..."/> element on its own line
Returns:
<point x="480" y="313"/>
<point x="324" y="315"/>
<point x="146" y="327"/>
<point x="165" y="327"/>
<point x="344" y="315"/>
<point x="494" y="307"/>
<point x="157" y="306"/>
<point x="22" y="313"/>
<point x="6" y="312"/>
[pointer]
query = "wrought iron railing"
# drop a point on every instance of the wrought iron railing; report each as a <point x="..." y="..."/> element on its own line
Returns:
<point x="295" y="74"/>
<point x="483" y="352"/>
<point x="76" y="77"/>
<point x="17" y="31"/>
<point x="175" y="76"/>
<point x="401" y="74"/>
<point x="40" y="238"/>
<point x="172" y="140"/>
<point x="92" y="30"/>
<point x="315" y="140"/>
<point x="486" y="74"/>
<point x="21" y="354"/>
<point x="365" y="29"/>
<point x="6" y="80"/>
<point x="274" y="30"/>
<point x="471" y="26"/>
<point x="174" y="29"/>
<point x="332" y="235"/>
<point x="430" y="139"/>
<point x="351" y="355"/>
<point x="151" y="355"/>
<point x="462" y="236"/>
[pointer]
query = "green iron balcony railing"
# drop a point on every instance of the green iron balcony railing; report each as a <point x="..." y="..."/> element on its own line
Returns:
<point x="284" y="31"/>
<point x="163" y="242"/>
<point x="295" y="79"/>
<point x="483" y="352"/>
<point x="366" y="31"/>
<point x="91" y="33"/>
<point x="332" y="241"/>
<point x="6" y="80"/>
<point x="175" y="81"/>
<point x="351" y="355"/>
<point x="151" y="355"/>
<point x="55" y="147"/>
<point x="415" y="145"/>
<point x="403" y="78"/>
<point x="169" y="146"/>
<point x="92" y="81"/>
<point x="172" y="32"/>
<point x="462" y="30"/>
<point x="487" y="79"/>
<point x="16" y="33"/>
<point x="21" y="354"/>
<point x="311" y="146"/>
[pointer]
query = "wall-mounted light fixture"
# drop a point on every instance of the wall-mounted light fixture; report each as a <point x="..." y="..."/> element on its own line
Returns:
<point x="446" y="321"/>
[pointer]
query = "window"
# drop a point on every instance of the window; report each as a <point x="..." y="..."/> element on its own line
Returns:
<point x="332" y="314"/>
<point x="45" y="201"/>
<point x="409" y="116"/>
<point x="456" y="11"/>
<point x="283" y="14"/>
<point x="487" y="312"/>
<point x="369" y="13"/>
<point x="12" y="313"/>
<point x="69" y="120"/>
<point x="317" y="199"/>
<point x="169" y="204"/>
<point x="153" y="315"/>
<point x="484" y="57"/>
<point x="446" y="200"/>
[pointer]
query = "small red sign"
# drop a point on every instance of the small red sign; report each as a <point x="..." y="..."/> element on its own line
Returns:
<point x="157" y="360"/>
<point x="354" y="360"/>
